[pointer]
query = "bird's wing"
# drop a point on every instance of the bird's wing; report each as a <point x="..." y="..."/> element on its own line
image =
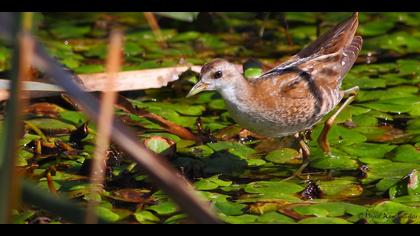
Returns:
<point x="336" y="40"/>
<point x="320" y="67"/>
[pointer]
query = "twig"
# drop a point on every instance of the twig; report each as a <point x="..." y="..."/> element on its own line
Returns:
<point x="151" y="20"/>
<point x="286" y="30"/>
<point x="9" y="180"/>
<point x="104" y="124"/>
<point x="169" y="126"/>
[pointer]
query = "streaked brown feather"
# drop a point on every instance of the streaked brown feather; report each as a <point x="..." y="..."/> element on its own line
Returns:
<point x="315" y="73"/>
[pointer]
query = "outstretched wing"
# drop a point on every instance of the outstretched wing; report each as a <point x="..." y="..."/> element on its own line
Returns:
<point x="318" y="69"/>
<point x="326" y="60"/>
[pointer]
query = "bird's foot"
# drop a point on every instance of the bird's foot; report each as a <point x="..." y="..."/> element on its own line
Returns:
<point x="298" y="172"/>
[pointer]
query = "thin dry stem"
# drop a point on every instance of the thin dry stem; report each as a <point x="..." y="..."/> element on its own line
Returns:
<point x="104" y="124"/>
<point x="151" y="20"/>
<point x="26" y="48"/>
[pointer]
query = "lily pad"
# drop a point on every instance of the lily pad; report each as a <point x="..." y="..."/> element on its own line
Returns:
<point x="371" y="150"/>
<point x="407" y="153"/>
<point x="284" y="155"/>
<point x="323" y="220"/>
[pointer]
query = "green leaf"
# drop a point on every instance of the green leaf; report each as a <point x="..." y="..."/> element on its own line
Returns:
<point x="157" y="144"/>
<point x="107" y="214"/>
<point x="164" y="208"/>
<point x="235" y="148"/>
<point x="335" y="161"/>
<point x="47" y="124"/>
<point x="407" y="153"/>
<point x="274" y="218"/>
<point x="331" y="209"/>
<point x="323" y="220"/>
<point x="274" y="190"/>
<point x="87" y="69"/>
<point x="230" y="208"/>
<point x="377" y="27"/>
<point x="146" y="217"/>
<point x="211" y="183"/>
<point x="371" y="150"/>
<point x="69" y="31"/>
<point x="340" y="188"/>
<point x="284" y="155"/>
<point x="242" y="219"/>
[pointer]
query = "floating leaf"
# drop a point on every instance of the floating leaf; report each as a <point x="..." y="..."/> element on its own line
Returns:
<point x="164" y="208"/>
<point x="211" y="183"/>
<point x="284" y="155"/>
<point x="52" y="125"/>
<point x="407" y="153"/>
<point x="146" y="217"/>
<point x="158" y="144"/>
<point x="69" y="31"/>
<point x="274" y="218"/>
<point x="371" y="150"/>
<point x="323" y="220"/>
<point x="330" y="209"/>
<point x="335" y="161"/>
<point x="107" y="214"/>
<point x="241" y="219"/>
<point x="374" y="28"/>
<point x="230" y="208"/>
<point x="274" y="190"/>
<point x="340" y="188"/>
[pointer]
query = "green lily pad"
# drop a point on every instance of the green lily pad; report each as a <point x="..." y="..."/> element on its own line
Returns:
<point x="52" y="125"/>
<point x="385" y="169"/>
<point x="374" y="28"/>
<point x="371" y="150"/>
<point x="107" y="214"/>
<point x="224" y="163"/>
<point x="164" y="208"/>
<point x="211" y="183"/>
<point x="391" y="212"/>
<point x="330" y="209"/>
<point x="87" y="69"/>
<point x="340" y="188"/>
<point x="69" y="31"/>
<point x="407" y="153"/>
<point x="235" y="148"/>
<point x="323" y="220"/>
<point x="274" y="190"/>
<point x="274" y="218"/>
<point x="241" y="219"/>
<point x="335" y="161"/>
<point x="229" y="208"/>
<point x="339" y="135"/>
<point x="284" y="155"/>
<point x="23" y="217"/>
<point x="158" y="144"/>
<point x="185" y="36"/>
<point x="146" y="217"/>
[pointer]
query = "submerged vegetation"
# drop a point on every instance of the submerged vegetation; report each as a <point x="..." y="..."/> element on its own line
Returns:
<point x="372" y="176"/>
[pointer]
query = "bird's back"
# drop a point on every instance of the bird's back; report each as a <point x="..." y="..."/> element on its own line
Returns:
<point x="300" y="91"/>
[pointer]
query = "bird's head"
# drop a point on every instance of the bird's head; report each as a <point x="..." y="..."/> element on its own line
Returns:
<point x="218" y="74"/>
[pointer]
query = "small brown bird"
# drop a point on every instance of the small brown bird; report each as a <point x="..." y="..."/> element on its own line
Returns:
<point x="295" y="95"/>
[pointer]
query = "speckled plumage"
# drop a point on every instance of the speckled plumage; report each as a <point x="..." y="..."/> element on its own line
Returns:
<point x="295" y="95"/>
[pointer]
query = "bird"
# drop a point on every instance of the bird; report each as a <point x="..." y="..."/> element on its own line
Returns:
<point x="295" y="95"/>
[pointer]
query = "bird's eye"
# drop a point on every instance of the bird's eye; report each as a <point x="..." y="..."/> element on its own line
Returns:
<point x="218" y="74"/>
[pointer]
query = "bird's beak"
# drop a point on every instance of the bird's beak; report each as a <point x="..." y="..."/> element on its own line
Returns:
<point x="198" y="87"/>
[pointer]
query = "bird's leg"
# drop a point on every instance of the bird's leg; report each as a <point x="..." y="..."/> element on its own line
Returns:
<point x="323" y="138"/>
<point x="300" y="137"/>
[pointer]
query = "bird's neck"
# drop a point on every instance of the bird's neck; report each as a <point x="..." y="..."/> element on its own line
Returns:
<point x="237" y="92"/>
